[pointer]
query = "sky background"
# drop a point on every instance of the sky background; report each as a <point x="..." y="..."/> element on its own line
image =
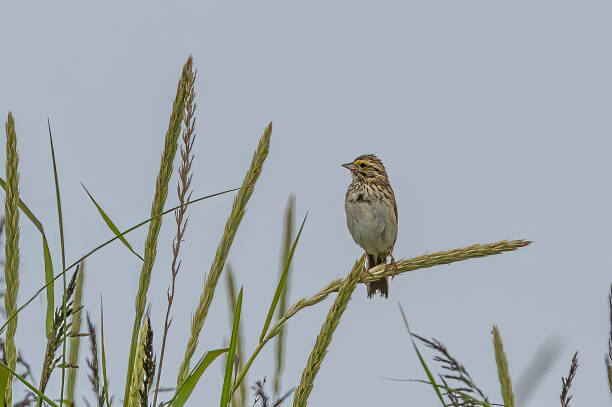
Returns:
<point x="492" y="117"/>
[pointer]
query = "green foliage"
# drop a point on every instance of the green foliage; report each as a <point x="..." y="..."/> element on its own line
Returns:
<point x="141" y="365"/>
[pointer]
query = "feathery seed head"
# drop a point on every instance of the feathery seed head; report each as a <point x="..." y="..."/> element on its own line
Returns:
<point x="367" y="167"/>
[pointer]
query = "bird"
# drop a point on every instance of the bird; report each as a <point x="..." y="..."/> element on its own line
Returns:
<point x="371" y="215"/>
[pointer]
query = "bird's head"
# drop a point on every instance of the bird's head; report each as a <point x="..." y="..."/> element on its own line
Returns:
<point x="367" y="167"/>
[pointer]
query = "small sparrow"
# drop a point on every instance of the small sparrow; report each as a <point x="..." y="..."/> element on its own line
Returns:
<point x="371" y="215"/>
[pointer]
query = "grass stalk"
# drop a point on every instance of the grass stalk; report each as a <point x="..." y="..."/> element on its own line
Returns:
<point x="325" y="336"/>
<point x="282" y="303"/>
<point x="11" y="249"/>
<point x="94" y="365"/>
<point x="566" y="382"/>
<point x="382" y="270"/>
<point x="218" y="264"/>
<point x="159" y="199"/>
<point x="184" y="195"/>
<point x="75" y="340"/>
<point x="502" y="369"/>
<point x="139" y="370"/>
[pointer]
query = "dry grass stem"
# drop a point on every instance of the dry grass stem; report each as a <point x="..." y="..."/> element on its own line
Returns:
<point x="11" y="249"/>
<point x="502" y="369"/>
<point x="183" y="191"/>
<point x="75" y="341"/>
<point x="94" y="365"/>
<point x="325" y="336"/>
<point x="566" y="382"/>
<point x="216" y="268"/>
<point x="159" y="199"/>
<point x="455" y="372"/>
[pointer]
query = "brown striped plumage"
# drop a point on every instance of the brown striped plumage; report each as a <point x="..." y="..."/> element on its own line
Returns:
<point x="371" y="214"/>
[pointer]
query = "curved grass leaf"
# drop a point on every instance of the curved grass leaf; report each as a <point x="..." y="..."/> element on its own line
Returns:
<point x="48" y="263"/>
<point x="103" y="354"/>
<point x="60" y="220"/>
<point x="281" y="284"/>
<point x="111" y="225"/>
<point x="183" y="393"/>
<point x="29" y="385"/>
<point x="432" y="381"/>
<point x="227" y="381"/>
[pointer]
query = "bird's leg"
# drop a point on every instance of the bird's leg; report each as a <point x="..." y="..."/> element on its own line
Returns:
<point x="393" y="265"/>
<point x="364" y="271"/>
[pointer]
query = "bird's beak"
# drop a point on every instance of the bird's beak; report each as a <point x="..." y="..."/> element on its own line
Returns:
<point x="350" y="166"/>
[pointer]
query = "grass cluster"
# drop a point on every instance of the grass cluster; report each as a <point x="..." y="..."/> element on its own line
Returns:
<point x="64" y="321"/>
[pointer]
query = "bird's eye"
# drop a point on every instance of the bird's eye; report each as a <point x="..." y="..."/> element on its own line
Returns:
<point x="362" y="165"/>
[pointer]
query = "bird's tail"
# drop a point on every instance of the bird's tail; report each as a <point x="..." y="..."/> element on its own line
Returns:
<point x="381" y="285"/>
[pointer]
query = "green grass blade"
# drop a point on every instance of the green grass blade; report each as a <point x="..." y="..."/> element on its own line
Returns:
<point x="282" y="302"/>
<point x="49" y="284"/>
<point x="111" y="225"/>
<point x="48" y="262"/>
<point x="281" y="283"/>
<point x="60" y="220"/>
<point x="75" y="341"/>
<point x="240" y="400"/>
<point x="432" y="381"/>
<point x="29" y="385"/>
<point x="502" y="369"/>
<point x="183" y="393"/>
<point x="104" y="376"/>
<point x="229" y="367"/>
<point x="4" y="375"/>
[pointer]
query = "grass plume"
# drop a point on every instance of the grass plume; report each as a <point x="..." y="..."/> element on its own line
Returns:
<point x="94" y="365"/>
<point x="183" y="191"/>
<point x="159" y="199"/>
<point x="502" y="369"/>
<point x="231" y="226"/>
<point x="325" y="335"/>
<point x="11" y="249"/>
<point x="566" y="382"/>
<point x="456" y="372"/>
<point x="59" y="332"/>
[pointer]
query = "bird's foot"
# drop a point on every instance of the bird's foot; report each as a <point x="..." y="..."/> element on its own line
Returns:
<point x="393" y="265"/>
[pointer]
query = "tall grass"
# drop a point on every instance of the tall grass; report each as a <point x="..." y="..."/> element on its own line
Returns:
<point x="11" y="250"/>
<point x="65" y="321"/>
<point x="159" y="199"/>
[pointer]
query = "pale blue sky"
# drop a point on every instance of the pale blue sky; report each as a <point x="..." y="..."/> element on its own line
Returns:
<point x="492" y="117"/>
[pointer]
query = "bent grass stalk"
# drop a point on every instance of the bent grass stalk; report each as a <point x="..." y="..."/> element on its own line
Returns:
<point x="11" y="249"/>
<point x="383" y="270"/>
<point x="159" y="199"/>
<point x="325" y="335"/>
<point x="231" y="226"/>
